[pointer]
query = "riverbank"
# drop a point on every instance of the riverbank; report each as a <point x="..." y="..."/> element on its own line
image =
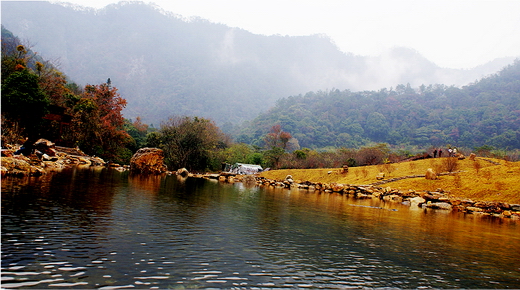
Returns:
<point x="483" y="185"/>
<point x="478" y="185"/>
<point x="439" y="199"/>
<point x="46" y="157"/>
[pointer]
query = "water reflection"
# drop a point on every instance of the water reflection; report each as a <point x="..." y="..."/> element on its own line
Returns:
<point x="103" y="228"/>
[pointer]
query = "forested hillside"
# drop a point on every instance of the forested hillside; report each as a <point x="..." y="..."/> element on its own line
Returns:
<point x="165" y="65"/>
<point x="39" y="102"/>
<point x="486" y="112"/>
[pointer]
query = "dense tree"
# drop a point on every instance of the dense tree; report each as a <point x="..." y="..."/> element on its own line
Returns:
<point x="138" y="131"/>
<point x="24" y="102"/>
<point x="377" y="126"/>
<point x="188" y="141"/>
<point x="277" y="137"/>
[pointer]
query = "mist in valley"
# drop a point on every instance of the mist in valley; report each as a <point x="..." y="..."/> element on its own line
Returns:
<point x="164" y="64"/>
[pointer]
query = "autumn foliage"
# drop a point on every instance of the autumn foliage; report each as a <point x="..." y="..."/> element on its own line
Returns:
<point x="38" y="101"/>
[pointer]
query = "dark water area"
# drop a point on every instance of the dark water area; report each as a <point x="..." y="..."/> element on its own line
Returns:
<point x="86" y="228"/>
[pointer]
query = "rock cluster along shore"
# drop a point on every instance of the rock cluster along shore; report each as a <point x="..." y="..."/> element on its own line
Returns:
<point x="45" y="157"/>
<point x="423" y="199"/>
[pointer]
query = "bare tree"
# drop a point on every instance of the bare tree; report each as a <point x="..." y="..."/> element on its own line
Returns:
<point x="187" y="141"/>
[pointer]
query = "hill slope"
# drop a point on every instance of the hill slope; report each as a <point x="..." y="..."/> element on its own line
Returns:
<point x="484" y="113"/>
<point x="478" y="180"/>
<point x="164" y="65"/>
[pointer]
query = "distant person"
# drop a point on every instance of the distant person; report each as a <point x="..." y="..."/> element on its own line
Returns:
<point x="450" y="152"/>
<point x="435" y="153"/>
<point x="440" y="153"/>
<point x="454" y="151"/>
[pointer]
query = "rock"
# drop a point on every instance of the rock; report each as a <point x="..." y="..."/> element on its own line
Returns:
<point x="46" y="157"/>
<point x="16" y="163"/>
<point x="393" y="197"/>
<point x="50" y="165"/>
<point x="7" y="153"/>
<point x="439" y="205"/>
<point x="337" y="187"/>
<point x="431" y="175"/>
<point x="380" y="176"/>
<point x="417" y="201"/>
<point x="184" y="172"/>
<point x="45" y="146"/>
<point x="474" y="209"/>
<point x="97" y="161"/>
<point x="21" y="166"/>
<point x="86" y="161"/>
<point x="504" y="206"/>
<point x="148" y="161"/>
<point x="37" y="171"/>
<point x="70" y="151"/>
<point x="460" y="156"/>
<point x="472" y="156"/>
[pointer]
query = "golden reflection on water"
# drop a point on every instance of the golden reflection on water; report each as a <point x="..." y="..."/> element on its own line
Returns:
<point x="453" y="231"/>
<point x="149" y="184"/>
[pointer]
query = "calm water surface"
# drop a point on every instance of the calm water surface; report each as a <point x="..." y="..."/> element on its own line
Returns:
<point x="104" y="229"/>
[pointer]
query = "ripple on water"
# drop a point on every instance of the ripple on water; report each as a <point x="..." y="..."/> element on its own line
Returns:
<point x="214" y="240"/>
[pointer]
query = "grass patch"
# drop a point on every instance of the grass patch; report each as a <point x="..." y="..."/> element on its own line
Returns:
<point x="483" y="181"/>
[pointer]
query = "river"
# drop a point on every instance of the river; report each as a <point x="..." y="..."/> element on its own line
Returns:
<point x="99" y="228"/>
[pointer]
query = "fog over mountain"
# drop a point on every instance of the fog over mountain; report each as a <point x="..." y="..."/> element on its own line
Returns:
<point x="164" y="64"/>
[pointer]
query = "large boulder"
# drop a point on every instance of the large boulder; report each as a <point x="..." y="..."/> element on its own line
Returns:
<point x="183" y="172"/>
<point x="148" y="161"/>
<point x="45" y="146"/>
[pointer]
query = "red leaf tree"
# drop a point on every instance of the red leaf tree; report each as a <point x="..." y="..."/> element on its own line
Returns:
<point x="98" y="121"/>
<point x="277" y="138"/>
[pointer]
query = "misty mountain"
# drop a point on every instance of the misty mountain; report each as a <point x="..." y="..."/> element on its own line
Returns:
<point x="164" y="64"/>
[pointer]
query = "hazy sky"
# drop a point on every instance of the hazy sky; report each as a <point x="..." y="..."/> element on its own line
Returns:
<point x="451" y="33"/>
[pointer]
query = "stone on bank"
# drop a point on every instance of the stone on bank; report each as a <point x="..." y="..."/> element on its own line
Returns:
<point x="148" y="161"/>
